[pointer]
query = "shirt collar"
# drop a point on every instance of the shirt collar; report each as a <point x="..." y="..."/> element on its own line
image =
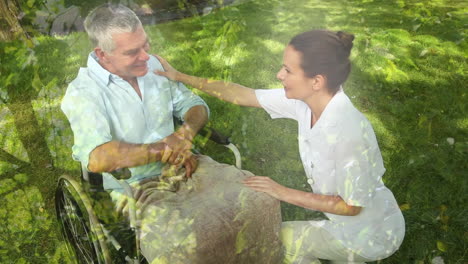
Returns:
<point x="99" y="73"/>
<point x="332" y="112"/>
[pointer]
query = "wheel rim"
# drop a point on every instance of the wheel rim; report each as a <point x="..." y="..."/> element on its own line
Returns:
<point x="74" y="228"/>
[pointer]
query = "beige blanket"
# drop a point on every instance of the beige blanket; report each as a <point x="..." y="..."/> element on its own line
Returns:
<point x="211" y="218"/>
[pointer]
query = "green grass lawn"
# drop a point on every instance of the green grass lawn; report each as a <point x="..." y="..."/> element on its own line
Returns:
<point x="408" y="78"/>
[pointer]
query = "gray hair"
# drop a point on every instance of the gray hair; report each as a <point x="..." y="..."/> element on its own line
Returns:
<point x="108" y="19"/>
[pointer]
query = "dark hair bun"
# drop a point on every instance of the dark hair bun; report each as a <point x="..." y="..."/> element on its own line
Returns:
<point x="346" y="39"/>
<point x="326" y="53"/>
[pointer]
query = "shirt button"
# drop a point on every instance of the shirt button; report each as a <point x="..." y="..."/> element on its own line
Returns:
<point x="310" y="181"/>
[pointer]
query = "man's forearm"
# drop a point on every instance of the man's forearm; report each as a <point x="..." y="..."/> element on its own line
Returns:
<point x="115" y="155"/>
<point x="194" y="120"/>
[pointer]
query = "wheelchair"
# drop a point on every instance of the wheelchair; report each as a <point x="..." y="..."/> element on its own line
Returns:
<point x="94" y="232"/>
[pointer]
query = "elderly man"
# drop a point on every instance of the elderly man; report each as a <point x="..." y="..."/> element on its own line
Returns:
<point x="121" y="112"/>
<point x="121" y="115"/>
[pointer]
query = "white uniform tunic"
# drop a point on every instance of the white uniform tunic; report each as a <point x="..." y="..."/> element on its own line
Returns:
<point x="341" y="157"/>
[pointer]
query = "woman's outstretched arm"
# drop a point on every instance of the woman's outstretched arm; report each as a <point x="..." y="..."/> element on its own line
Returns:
<point x="319" y="202"/>
<point x="226" y="91"/>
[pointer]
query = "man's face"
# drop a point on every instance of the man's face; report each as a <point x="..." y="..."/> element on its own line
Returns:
<point x="130" y="55"/>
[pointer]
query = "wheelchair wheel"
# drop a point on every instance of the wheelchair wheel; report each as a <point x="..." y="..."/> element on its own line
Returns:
<point x="79" y="224"/>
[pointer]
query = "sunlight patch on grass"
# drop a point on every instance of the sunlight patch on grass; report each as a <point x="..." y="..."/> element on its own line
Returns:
<point x="218" y="57"/>
<point x="462" y="123"/>
<point x="171" y="51"/>
<point x="49" y="102"/>
<point x="9" y="139"/>
<point x="273" y="45"/>
<point x="5" y="122"/>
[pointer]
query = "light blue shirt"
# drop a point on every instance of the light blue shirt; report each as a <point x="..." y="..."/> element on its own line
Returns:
<point x="102" y="107"/>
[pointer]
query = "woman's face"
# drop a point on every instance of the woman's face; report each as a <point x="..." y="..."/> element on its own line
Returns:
<point x="296" y="84"/>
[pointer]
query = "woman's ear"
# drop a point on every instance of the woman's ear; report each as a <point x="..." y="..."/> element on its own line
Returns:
<point x="319" y="82"/>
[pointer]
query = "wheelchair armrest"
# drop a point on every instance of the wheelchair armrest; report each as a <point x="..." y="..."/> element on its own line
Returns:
<point x="208" y="133"/>
<point x="214" y="136"/>
<point x="93" y="180"/>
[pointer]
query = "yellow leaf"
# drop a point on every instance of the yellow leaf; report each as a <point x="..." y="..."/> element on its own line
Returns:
<point x="404" y="207"/>
<point x="441" y="246"/>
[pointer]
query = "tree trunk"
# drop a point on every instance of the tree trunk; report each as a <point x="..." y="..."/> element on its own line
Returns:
<point x="19" y="103"/>
<point x="10" y="27"/>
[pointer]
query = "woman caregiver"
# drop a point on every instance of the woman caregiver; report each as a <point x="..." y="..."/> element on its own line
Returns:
<point x="338" y="149"/>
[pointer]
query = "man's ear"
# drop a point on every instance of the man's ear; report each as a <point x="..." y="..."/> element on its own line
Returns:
<point x="102" y="55"/>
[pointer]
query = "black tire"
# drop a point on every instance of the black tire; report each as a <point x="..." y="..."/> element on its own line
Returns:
<point x="79" y="224"/>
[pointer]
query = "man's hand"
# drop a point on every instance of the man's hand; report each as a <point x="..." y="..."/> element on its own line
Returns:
<point x="140" y="192"/>
<point x="178" y="148"/>
<point x="144" y="190"/>
<point x="190" y="165"/>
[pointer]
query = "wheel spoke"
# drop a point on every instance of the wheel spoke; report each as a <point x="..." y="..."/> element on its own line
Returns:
<point x="76" y="230"/>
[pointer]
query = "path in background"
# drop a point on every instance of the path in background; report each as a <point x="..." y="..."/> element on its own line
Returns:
<point x="70" y="19"/>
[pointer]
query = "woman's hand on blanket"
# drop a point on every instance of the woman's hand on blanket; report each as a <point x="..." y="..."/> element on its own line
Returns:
<point x="169" y="72"/>
<point x="266" y="185"/>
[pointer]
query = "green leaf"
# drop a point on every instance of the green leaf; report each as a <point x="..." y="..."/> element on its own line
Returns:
<point x="10" y="49"/>
<point x="52" y="83"/>
<point x="422" y="120"/>
<point x="404" y="207"/>
<point x="21" y="178"/>
<point x="37" y="83"/>
<point x="31" y="3"/>
<point x="7" y="185"/>
<point x="441" y="246"/>
<point x="9" y="79"/>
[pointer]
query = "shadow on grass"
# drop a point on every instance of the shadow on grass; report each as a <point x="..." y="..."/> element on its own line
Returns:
<point x="31" y="148"/>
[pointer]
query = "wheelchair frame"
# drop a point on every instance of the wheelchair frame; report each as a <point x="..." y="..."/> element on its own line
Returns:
<point x="87" y="237"/>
